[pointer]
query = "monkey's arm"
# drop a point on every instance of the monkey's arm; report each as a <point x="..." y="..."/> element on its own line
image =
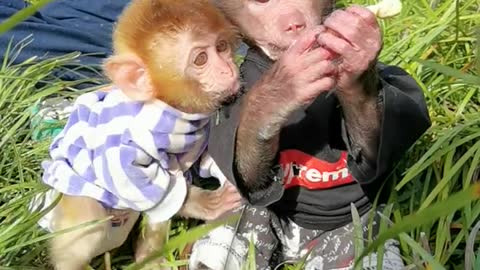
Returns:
<point x="241" y="154"/>
<point x="380" y="127"/>
<point x="263" y="114"/>
<point x="362" y="115"/>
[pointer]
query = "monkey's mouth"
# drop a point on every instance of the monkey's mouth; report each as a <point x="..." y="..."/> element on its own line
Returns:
<point x="232" y="90"/>
<point x="275" y="48"/>
<point x="231" y="94"/>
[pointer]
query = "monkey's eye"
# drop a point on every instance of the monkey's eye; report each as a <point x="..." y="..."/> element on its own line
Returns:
<point x="222" y="46"/>
<point x="201" y="59"/>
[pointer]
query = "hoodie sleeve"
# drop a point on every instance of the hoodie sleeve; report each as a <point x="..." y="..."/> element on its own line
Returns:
<point x="405" y="118"/>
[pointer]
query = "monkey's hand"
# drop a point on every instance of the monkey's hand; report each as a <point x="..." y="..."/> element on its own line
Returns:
<point x="302" y="73"/>
<point x="210" y="204"/>
<point x="354" y="35"/>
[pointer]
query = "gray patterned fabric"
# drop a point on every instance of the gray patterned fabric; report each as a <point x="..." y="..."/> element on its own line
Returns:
<point x="280" y="241"/>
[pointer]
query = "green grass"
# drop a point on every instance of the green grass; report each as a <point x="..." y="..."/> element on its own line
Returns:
<point x="23" y="14"/>
<point x="434" y="206"/>
<point x="436" y="42"/>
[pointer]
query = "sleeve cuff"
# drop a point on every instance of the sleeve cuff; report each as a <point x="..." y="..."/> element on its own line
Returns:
<point x="171" y="203"/>
<point x="268" y="195"/>
<point x="361" y="168"/>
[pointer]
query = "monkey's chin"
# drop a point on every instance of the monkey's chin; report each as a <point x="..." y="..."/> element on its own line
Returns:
<point x="231" y="98"/>
<point x="230" y="94"/>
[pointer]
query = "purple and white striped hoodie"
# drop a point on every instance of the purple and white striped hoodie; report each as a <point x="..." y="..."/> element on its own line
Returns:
<point x="129" y="154"/>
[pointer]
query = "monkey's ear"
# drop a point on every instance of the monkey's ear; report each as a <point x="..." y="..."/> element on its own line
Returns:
<point x="129" y="74"/>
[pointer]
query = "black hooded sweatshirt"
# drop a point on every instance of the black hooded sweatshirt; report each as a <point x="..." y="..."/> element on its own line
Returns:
<point x="317" y="174"/>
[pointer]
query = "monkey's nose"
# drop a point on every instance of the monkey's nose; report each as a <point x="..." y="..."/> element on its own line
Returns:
<point x="292" y="22"/>
<point x="295" y="27"/>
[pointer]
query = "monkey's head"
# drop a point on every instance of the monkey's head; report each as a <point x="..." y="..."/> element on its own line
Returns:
<point x="178" y="51"/>
<point x="274" y="24"/>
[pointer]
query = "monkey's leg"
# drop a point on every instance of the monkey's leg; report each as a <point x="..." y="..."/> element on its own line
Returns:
<point x="74" y="250"/>
<point x="152" y="239"/>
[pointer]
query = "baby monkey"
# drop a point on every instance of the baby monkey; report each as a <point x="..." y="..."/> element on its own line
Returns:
<point x="130" y="150"/>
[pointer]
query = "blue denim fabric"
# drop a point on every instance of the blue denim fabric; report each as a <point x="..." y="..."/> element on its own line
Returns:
<point x="62" y="27"/>
<point x="66" y="26"/>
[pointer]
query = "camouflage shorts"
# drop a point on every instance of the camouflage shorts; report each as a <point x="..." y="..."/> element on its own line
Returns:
<point x="280" y="241"/>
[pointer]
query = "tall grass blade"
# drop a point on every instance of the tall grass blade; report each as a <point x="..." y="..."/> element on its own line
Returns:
<point x="22" y="15"/>
<point x="453" y="203"/>
<point x="465" y="77"/>
<point x="358" y="239"/>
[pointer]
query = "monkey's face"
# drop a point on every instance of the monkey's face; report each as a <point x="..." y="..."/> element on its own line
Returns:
<point x="193" y="70"/>
<point x="180" y="52"/>
<point x="274" y="24"/>
<point x="209" y="63"/>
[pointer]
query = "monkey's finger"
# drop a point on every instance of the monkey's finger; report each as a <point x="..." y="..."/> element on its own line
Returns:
<point x="229" y="207"/>
<point x="373" y="39"/>
<point x="364" y="32"/>
<point x="231" y="192"/>
<point x="318" y="55"/>
<point x="230" y="188"/>
<point x="355" y="32"/>
<point x="364" y="13"/>
<point x="338" y="45"/>
<point x="231" y="196"/>
<point x="317" y="87"/>
<point x="234" y="199"/>
<point x="320" y="69"/>
<point x="236" y="205"/>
